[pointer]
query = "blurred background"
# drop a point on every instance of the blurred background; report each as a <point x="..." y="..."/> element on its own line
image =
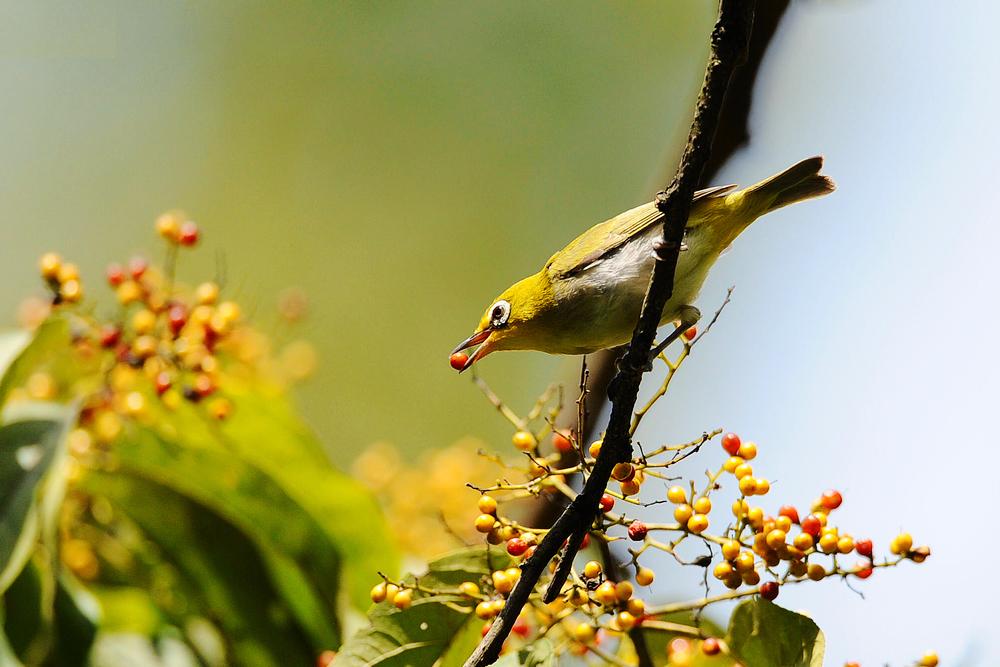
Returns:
<point x="404" y="162"/>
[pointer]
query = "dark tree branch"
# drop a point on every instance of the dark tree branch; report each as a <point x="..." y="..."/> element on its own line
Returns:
<point x="729" y="43"/>
<point x="731" y="135"/>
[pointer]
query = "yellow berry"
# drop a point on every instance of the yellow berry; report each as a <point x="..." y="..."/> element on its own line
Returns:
<point x="740" y="508"/>
<point x="901" y="544"/>
<point x="128" y="292"/>
<point x="206" y="293"/>
<point x="622" y="471"/>
<point x="815" y="571"/>
<point x="929" y="659"/>
<point x="391" y="590"/>
<point x="71" y="291"/>
<point x="732" y="463"/>
<point x="743" y="470"/>
<point x="626" y="621"/>
<point x="845" y="545"/>
<point x="803" y="541"/>
<point x="630" y="487"/>
<point x="229" y="312"/>
<point x="644" y="577"/>
<point x="487" y="505"/>
<point x="676" y="495"/>
<point x="748" y="450"/>
<point x="784" y="523"/>
<point x="636" y="607"/>
<point x="143" y="322"/>
<point x="751" y="578"/>
<point x="698" y="523"/>
<point x="623" y="590"/>
<point x="748" y="485"/>
<point x="168" y="225"/>
<point x="702" y="505"/>
<point x="48" y="265"/>
<point x="763" y="486"/>
<point x="595" y="451"/>
<point x="722" y="570"/>
<point x="484" y="611"/>
<point x="584" y="633"/>
<point x="502" y="583"/>
<point x="828" y="543"/>
<point x="744" y="562"/>
<point x="682" y="513"/>
<point x="605" y="594"/>
<point x="776" y="538"/>
<point x="730" y="549"/>
<point x="378" y="593"/>
<point x="484" y="523"/>
<point x="68" y="271"/>
<point x="755" y="517"/>
<point x="524" y="441"/>
<point x="592" y="569"/>
<point x="468" y="588"/>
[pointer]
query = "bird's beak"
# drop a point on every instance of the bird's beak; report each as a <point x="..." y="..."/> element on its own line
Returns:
<point x="481" y="338"/>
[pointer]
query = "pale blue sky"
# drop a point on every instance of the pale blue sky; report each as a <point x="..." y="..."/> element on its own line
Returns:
<point x="860" y="347"/>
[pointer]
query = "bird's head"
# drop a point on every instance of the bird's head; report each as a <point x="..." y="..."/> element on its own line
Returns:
<point x="512" y="320"/>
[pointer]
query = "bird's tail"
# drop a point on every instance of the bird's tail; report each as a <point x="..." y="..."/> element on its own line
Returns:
<point x="799" y="182"/>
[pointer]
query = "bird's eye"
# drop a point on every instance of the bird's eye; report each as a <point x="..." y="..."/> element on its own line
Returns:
<point x="499" y="313"/>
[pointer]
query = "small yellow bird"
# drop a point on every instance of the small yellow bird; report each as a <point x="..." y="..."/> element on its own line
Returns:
<point x="588" y="295"/>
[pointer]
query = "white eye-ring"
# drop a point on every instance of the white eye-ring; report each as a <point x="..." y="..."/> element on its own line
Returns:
<point x="499" y="313"/>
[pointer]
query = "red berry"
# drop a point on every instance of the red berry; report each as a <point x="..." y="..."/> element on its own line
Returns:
<point x="864" y="547"/>
<point x="203" y="385"/>
<point x="864" y="572"/>
<point x="607" y="503"/>
<point x="137" y="266"/>
<point x="115" y="274"/>
<point x="769" y="590"/>
<point x="177" y="318"/>
<point x="520" y="627"/>
<point x="561" y="443"/>
<point x="790" y="512"/>
<point x="530" y="552"/>
<point x="486" y="628"/>
<point x="188" y="234"/>
<point x="690" y="333"/>
<point x="637" y="531"/>
<point x="516" y="546"/>
<point x="110" y="335"/>
<point x="710" y="646"/>
<point x="811" y="524"/>
<point x="459" y="361"/>
<point x="586" y="541"/>
<point x="731" y="443"/>
<point x="163" y="383"/>
<point x="325" y="659"/>
<point x="831" y="499"/>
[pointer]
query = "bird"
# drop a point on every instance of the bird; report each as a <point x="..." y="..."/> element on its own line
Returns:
<point x="588" y="295"/>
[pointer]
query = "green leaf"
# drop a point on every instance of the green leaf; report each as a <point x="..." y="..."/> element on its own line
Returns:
<point x="29" y="449"/>
<point x="75" y="619"/>
<point x="426" y="631"/>
<point x="762" y="634"/>
<point x="215" y="571"/>
<point x="539" y="653"/>
<point x="22" y="354"/>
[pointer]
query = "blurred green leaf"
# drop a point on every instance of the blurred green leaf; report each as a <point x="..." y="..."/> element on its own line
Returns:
<point x="28" y="450"/>
<point x="75" y="620"/>
<point x="22" y="354"/>
<point x="539" y="653"/>
<point x="427" y="630"/>
<point x="658" y="640"/>
<point x="762" y="634"/>
<point x="23" y="600"/>
<point x="224" y="577"/>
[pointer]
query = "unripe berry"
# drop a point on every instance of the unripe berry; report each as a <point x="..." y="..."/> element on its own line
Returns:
<point x="595" y="448"/>
<point x="584" y="633"/>
<point x="783" y="523"/>
<point x="49" y="264"/>
<point x="929" y="659"/>
<point x="623" y="590"/>
<point x="637" y="531"/>
<point x="68" y="271"/>
<point x="484" y="523"/>
<point x="722" y="570"/>
<point x="403" y="599"/>
<point x="623" y="472"/>
<point x="748" y="486"/>
<point x="630" y="487"/>
<point x="636" y="607"/>
<point x="763" y="486"/>
<point x="733" y="581"/>
<point x="644" y="577"/>
<point x="168" y="226"/>
<point x="468" y="588"/>
<point x="901" y="544"/>
<point x="803" y="541"/>
<point x="71" y="291"/>
<point x="682" y="513"/>
<point x="744" y="562"/>
<point x="751" y="578"/>
<point x="143" y="322"/>
<point x="625" y="620"/>
<point x="769" y="590"/>
<point x="592" y="570"/>
<point x="524" y="441"/>
<point x="831" y="499"/>
<point x="501" y="582"/>
<point x="798" y="568"/>
<point x="730" y="549"/>
<point x="776" y="538"/>
<point x="816" y="571"/>
<point x="702" y="505"/>
<point x="845" y="545"/>
<point x="732" y="463"/>
<point x="484" y="611"/>
<point x="731" y="443"/>
<point x="607" y="503"/>
<point x="755" y="517"/>
<point x="747" y="450"/>
<point x="676" y="495"/>
<point x="487" y="505"/>
<point x="740" y="508"/>
<point x="828" y="543"/>
<point x="698" y="523"/>
<point x="378" y="593"/>
<point x="605" y="594"/>
<point x="710" y="646"/>
<point x="790" y="512"/>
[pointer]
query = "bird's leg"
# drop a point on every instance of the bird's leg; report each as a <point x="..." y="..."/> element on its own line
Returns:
<point x="689" y="316"/>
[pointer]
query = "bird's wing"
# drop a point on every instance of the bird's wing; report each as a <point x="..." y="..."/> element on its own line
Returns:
<point x="604" y="239"/>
